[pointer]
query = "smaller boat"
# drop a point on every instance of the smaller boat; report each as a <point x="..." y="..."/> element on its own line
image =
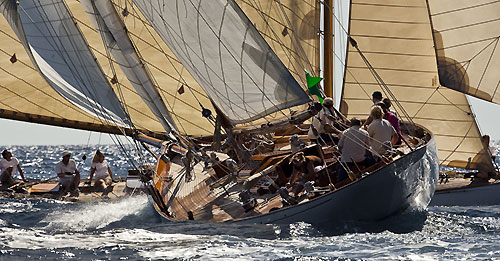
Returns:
<point x="51" y="189"/>
<point x="459" y="189"/>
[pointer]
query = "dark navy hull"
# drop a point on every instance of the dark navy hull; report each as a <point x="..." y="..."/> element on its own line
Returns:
<point x="408" y="181"/>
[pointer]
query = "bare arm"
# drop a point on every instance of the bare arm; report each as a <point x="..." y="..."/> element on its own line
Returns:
<point x="367" y="122"/>
<point x="394" y="139"/>
<point x="21" y="172"/>
<point x="295" y="176"/>
<point x="310" y="170"/>
<point x="92" y="170"/>
<point x="110" y="173"/>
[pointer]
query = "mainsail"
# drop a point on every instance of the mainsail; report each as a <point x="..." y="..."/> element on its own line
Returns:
<point x="226" y="55"/>
<point x="397" y="40"/>
<point x="466" y="35"/>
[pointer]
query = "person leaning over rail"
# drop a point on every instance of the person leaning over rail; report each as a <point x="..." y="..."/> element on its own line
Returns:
<point x="69" y="176"/>
<point x="382" y="135"/>
<point x="103" y="174"/>
<point x="354" y="145"/>
<point x="8" y="167"/>
<point x="322" y="125"/>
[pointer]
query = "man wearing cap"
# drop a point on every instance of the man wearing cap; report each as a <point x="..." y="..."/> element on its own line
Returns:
<point x="69" y="176"/>
<point x="322" y="124"/>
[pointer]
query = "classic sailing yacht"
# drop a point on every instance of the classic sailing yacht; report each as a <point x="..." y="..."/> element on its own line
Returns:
<point x="162" y="68"/>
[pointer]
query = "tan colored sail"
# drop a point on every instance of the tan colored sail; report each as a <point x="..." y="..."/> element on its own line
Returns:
<point x="26" y="96"/>
<point x="183" y="96"/>
<point x="396" y="38"/>
<point x="24" y="91"/>
<point x="466" y="35"/>
<point x="169" y="74"/>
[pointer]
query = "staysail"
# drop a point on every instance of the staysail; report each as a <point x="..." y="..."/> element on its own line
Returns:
<point x="113" y="32"/>
<point x="396" y="38"/>
<point x="466" y="35"/>
<point x="291" y="29"/>
<point x="64" y="59"/>
<point x="207" y="36"/>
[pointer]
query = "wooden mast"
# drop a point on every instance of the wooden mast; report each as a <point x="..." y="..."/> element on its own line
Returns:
<point x="328" y="46"/>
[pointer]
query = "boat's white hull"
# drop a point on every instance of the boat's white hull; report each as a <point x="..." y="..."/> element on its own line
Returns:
<point x="477" y="196"/>
<point x="408" y="181"/>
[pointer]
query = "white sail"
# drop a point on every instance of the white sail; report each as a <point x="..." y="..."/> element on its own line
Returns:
<point x="340" y="43"/>
<point x="62" y="56"/>
<point x="226" y="55"/>
<point x="112" y="30"/>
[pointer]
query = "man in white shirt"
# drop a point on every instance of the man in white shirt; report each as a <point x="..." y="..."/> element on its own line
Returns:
<point x="322" y="124"/>
<point x="69" y="176"/>
<point x="353" y="144"/>
<point x="8" y="167"/>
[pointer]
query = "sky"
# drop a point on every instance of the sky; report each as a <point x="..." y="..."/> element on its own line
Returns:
<point x="23" y="133"/>
<point x="26" y="133"/>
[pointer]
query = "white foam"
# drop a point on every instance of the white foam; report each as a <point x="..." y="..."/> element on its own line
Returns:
<point x="95" y="215"/>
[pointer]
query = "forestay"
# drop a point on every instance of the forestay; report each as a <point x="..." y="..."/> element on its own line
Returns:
<point x="466" y="35"/>
<point x="396" y="38"/>
<point x="62" y="56"/>
<point x="226" y="55"/>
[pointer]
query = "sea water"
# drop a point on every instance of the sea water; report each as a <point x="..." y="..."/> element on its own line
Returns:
<point x="130" y="229"/>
